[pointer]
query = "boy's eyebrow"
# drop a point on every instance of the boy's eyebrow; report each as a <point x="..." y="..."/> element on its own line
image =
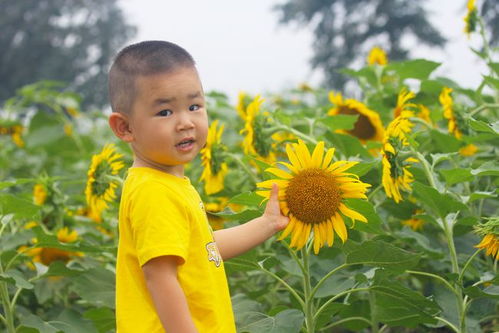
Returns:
<point x="161" y="100"/>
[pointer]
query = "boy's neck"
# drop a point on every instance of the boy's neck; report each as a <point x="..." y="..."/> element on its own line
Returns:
<point x="175" y="170"/>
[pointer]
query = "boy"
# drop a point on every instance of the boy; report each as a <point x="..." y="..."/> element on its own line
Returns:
<point x="170" y="274"/>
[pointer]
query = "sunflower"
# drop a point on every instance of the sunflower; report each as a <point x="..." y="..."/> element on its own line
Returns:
<point x="490" y="243"/>
<point x="216" y="222"/>
<point x="368" y="126"/>
<point x="468" y="150"/>
<point x="215" y="170"/>
<point x="395" y="173"/>
<point x="446" y="100"/>
<point x="256" y="141"/>
<point x="414" y="223"/>
<point x="13" y="129"/>
<point x="100" y="188"/>
<point x="47" y="255"/>
<point x="490" y="233"/>
<point x="242" y="103"/>
<point x="424" y="113"/>
<point x="402" y="99"/>
<point x="395" y="170"/>
<point x="39" y="194"/>
<point x="312" y="195"/>
<point x="377" y="56"/>
<point x="471" y="18"/>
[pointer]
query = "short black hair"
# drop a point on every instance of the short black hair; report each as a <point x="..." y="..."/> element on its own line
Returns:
<point x="142" y="59"/>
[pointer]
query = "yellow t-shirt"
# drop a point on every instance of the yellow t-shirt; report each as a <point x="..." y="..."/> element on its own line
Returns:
<point x="161" y="214"/>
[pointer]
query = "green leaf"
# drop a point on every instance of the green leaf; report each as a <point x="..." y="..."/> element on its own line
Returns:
<point x="454" y="176"/>
<point x="397" y="305"/>
<point x="18" y="181"/>
<point x="495" y="67"/>
<point x="441" y="204"/>
<point x="247" y="199"/>
<point x="365" y="208"/>
<point x="31" y="321"/>
<point x="59" y="268"/>
<point x="15" y="277"/>
<point x="20" y="207"/>
<point x="72" y="321"/>
<point x="414" y="69"/>
<point x="491" y="82"/>
<point x="96" y="287"/>
<point x="341" y="121"/>
<point x="243" y="216"/>
<point x="481" y="126"/>
<point x="488" y="292"/>
<point x="334" y="285"/>
<point x="445" y="143"/>
<point x="287" y="321"/>
<point x="366" y="73"/>
<point x="362" y="168"/>
<point x="347" y="144"/>
<point x="103" y="318"/>
<point x="490" y="168"/>
<point x="382" y="254"/>
<point x="477" y="195"/>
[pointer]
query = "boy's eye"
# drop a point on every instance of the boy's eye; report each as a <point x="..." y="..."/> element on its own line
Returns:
<point x="194" y="107"/>
<point x="164" y="113"/>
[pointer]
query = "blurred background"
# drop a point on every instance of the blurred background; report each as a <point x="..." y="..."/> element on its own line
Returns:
<point x="255" y="46"/>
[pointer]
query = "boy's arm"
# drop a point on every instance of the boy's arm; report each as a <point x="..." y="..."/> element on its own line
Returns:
<point x="234" y="241"/>
<point x="169" y="299"/>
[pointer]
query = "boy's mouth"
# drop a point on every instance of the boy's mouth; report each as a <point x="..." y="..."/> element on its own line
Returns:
<point x="185" y="143"/>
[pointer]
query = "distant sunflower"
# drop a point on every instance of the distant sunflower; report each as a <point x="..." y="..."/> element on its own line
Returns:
<point x="216" y="222"/>
<point x="395" y="173"/>
<point x="446" y="100"/>
<point x="402" y="102"/>
<point x="424" y="113"/>
<point x="312" y="194"/>
<point x="490" y="233"/>
<point x="215" y="169"/>
<point x="47" y="255"/>
<point x="471" y="18"/>
<point x="377" y="56"/>
<point x="14" y="129"/>
<point x="368" y="126"/>
<point x="242" y="102"/>
<point x="468" y="150"/>
<point x="414" y="223"/>
<point x="39" y="194"/>
<point x="395" y="170"/>
<point x="100" y="187"/>
<point x="256" y="141"/>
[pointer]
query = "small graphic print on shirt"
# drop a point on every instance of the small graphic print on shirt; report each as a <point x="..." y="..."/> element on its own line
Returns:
<point x="201" y="205"/>
<point x="213" y="254"/>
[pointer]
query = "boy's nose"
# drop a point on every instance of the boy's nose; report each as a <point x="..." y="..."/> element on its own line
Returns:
<point x="184" y="122"/>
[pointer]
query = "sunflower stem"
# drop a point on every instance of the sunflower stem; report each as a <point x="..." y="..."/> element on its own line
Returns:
<point x="8" y="317"/>
<point x="465" y="267"/>
<point x="238" y="160"/>
<point x="448" y="230"/>
<point x="299" y="134"/>
<point x="327" y="276"/>
<point x="427" y="170"/>
<point x="307" y="288"/>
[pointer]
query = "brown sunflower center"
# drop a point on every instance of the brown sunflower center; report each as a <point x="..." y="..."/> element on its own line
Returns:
<point x="313" y="196"/>
<point x="363" y="128"/>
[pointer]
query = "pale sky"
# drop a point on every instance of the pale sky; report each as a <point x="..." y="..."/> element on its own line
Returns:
<point x="238" y="45"/>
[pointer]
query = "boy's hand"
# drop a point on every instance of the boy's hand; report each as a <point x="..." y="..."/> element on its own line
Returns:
<point x="273" y="211"/>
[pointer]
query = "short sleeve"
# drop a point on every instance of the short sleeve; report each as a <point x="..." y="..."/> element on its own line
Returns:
<point x="159" y="222"/>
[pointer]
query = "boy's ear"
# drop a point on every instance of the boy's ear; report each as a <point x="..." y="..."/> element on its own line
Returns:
<point x="121" y="126"/>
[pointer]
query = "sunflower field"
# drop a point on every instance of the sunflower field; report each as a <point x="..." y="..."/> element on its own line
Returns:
<point x="391" y="195"/>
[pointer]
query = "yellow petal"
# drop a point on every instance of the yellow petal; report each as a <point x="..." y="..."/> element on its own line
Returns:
<point x="289" y="228"/>
<point x="339" y="227"/>
<point x="328" y="158"/>
<point x="351" y="213"/>
<point x="317" y="155"/>
<point x="279" y="173"/>
<point x="292" y="157"/>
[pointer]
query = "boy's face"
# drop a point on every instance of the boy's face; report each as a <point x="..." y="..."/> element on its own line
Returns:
<point x="168" y="119"/>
